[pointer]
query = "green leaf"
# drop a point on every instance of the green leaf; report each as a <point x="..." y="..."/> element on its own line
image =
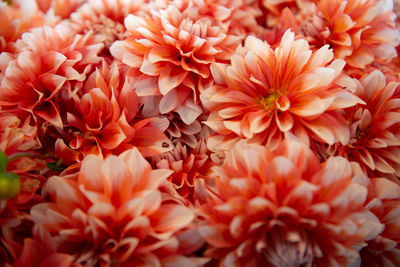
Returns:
<point x="3" y="161"/>
<point x="55" y="166"/>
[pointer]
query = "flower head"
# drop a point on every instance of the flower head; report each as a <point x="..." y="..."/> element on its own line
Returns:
<point x="188" y="165"/>
<point x="18" y="18"/>
<point x="105" y="118"/>
<point x="360" y="32"/>
<point x="41" y="250"/>
<point x="18" y="138"/>
<point x="49" y="61"/>
<point x="375" y="126"/>
<point x="112" y="211"/>
<point x="264" y="93"/>
<point x="237" y="17"/>
<point x="284" y="208"/>
<point x="105" y="18"/>
<point x="171" y="54"/>
<point x="384" y="201"/>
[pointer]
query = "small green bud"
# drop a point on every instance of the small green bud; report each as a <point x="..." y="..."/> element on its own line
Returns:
<point x="10" y="185"/>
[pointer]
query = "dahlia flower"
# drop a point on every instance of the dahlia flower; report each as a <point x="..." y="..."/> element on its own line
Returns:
<point x="17" y="19"/>
<point x="18" y="142"/>
<point x="14" y="229"/>
<point x="238" y="17"/>
<point x="362" y="31"/>
<point x="16" y="135"/>
<point x="264" y="93"/>
<point x="375" y="126"/>
<point x="284" y="208"/>
<point x="105" y="18"/>
<point x="41" y="250"/>
<point x="104" y="118"/>
<point x="112" y="212"/>
<point x="49" y="61"/>
<point x="60" y="8"/>
<point x="16" y="139"/>
<point x="187" y="165"/>
<point x="358" y="31"/>
<point x="171" y="54"/>
<point x="384" y="201"/>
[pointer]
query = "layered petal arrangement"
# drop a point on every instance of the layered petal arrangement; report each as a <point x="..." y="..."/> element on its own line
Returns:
<point x="105" y="18"/>
<point x="238" y="17"/>
<point x="17" y="19"/>
<point x="375" y="129"/>
<point x="376" y="126"/>
<point x="187" y="165"/>
<point x="199" y="133"/>
<point x="359" y="31"/>
<point x="104" y="118"/>
<point x="264" y="93"/>
<point x="23" y="174"/>
<point x="281" y="208"/>
<point x="49" y="62"/>
<point x="111" y="212"/>
<point x="383" y="200"/>
<point x="173" y="52"/>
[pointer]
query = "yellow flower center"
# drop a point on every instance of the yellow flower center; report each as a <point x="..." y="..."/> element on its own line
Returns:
<point x="268" y="102"/>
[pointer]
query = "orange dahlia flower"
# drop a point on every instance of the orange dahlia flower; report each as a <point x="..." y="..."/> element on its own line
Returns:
<point x="18" y="138"/>
<point x="16" y="135"/>
<point x="375" y="127"/>
<point x="112" y="212"/>
<point x="104" y="118"/>
<point x="187" y="165"/>
<point x="172" y="54"/>
<point x="41" y="250"/>
<point x="384" y="201"/>
<point x="284" y="209"/>
<point x="18" y="18"/>
<point x="105" y="18"/>
<point x="361" y="31"/>
<point x="18" y="141"/>
<point x="264" y="93"/>
<point x="358" y="31"/>
<point x="49" y="61"/>
<point x="238" y="17"/>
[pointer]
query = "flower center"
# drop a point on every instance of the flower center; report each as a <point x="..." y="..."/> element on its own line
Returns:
<point x="268" y="102"/>
<point x="359" y="134"/>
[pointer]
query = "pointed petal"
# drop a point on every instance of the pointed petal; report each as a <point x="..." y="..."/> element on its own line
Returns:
<point x="284" y="121"/>
<point x="169" y="102"/>
<point x="310" y="105"/>
<point x="49" y="112"/>
<point x="170" y="77"/>
<point x="171" y="217"/>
